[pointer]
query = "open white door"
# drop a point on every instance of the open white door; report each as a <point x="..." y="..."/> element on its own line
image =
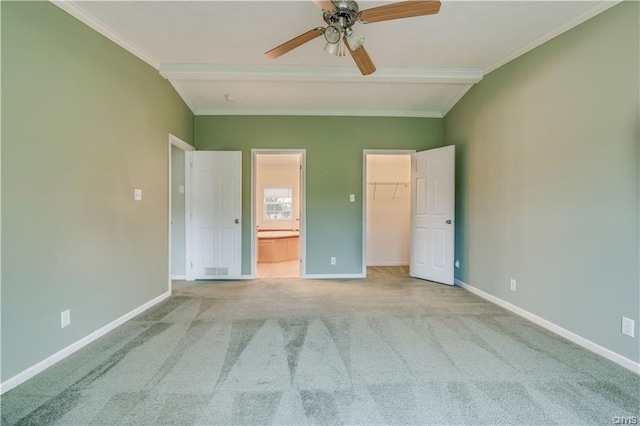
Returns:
<point x="432" y="212"/>
<point x="216" y="207"/>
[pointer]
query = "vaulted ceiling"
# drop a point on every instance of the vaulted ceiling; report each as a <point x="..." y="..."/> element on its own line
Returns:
<point x="209" y="49"/>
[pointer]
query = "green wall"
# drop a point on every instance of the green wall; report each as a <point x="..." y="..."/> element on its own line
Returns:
<point x="547" y="182"/>
<point x="334" y="170"/>
<point x="83" y="123"/>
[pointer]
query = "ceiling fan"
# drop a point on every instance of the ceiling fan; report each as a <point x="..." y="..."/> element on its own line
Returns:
<point x="341" y="15"/>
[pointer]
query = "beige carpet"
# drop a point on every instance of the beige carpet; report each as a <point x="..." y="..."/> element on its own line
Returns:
<point x="389" y="350"/>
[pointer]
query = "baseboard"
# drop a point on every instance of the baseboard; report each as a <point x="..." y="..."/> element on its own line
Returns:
<point x="30" y="372"/>
<point x="332" y="276"/>
<point x="179" y="277"/>
<point x="563" y="332"/>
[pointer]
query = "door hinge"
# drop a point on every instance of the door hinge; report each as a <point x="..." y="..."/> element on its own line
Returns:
<point x="191" y="265"/>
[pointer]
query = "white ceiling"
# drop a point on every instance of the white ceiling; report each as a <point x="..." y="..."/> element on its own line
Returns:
<point x="278" y="160"/>
<point x="207" y="49"/>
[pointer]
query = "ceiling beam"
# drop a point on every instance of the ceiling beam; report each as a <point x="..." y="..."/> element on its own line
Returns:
<point x="323" y="74"/>
<point x="320" y="112"/>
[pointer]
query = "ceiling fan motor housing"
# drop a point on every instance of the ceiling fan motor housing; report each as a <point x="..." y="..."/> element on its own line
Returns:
<point x="345" y="13"/>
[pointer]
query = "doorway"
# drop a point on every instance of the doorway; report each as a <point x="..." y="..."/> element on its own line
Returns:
<point x="430" y="219"/>
<point x="278" y="194"/>
<point x="387" y="213"/>
<point x="179" y="194"/>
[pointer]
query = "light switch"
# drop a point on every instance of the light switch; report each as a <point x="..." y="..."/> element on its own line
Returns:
<point x="352" y="198"/>
<point x="181" y="189"/>
<point x="65" y="318"/>
<point x="137" y="194"/>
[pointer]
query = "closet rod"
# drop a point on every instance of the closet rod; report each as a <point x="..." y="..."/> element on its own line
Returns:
<point x="375" y="186"/>
<point x="388" y="183"/>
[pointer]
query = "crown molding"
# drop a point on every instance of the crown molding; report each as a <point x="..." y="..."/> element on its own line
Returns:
<point x="183" y="95"/>
<point x="601" y="7"/>
<point x="105" y="30"/>
<point x="463" y="91"/>
<point x="312" y="73"/>
<point x="325" y="113"/>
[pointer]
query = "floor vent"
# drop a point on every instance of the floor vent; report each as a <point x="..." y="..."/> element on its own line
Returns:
<point x="216" y="271"/>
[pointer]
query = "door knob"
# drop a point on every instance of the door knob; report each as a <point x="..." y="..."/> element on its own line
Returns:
<point x="237" y="221"/>
<point x="448" y="222"/>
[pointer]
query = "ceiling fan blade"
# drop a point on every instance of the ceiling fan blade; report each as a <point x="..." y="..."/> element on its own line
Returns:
<point x="403" y="9"/>
<point x="362" y="59"/>
<point x="294" y="42"/>
<point x="325" y="5"/>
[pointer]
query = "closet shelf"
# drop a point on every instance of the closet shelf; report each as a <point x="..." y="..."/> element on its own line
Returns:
<point x="396" y="184"/>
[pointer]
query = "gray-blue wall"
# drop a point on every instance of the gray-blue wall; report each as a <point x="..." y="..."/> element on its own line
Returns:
<point x="178" y="211"/>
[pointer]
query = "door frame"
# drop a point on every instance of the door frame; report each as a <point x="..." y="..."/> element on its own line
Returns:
<point x="366" y="152"/>
<point x="302" y="203"/>
<point x="180" y="144"/>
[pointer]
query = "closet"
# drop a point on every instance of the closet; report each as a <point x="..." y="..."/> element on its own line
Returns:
<point x="388" y="209"/>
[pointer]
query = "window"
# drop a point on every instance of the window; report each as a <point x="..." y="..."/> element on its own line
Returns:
<point x="277" y="203"/>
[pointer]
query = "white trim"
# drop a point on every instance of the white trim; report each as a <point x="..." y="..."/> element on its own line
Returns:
<point x="456" y="99"/>
<point x="599" y="8"/>
<point x="188" y="163"/>
<point x="320" y="112"/>
<point x="179" y="143"/>
<point x="183" y="95"/>
<point x="169" y="217"/>
<point x="303" y="215"/>
<point x="288" y="73"/>
<point x="388" y="264"/>
<point x="83" y="16"/>
<point x="333" y="276"/>
<point x="62" y="354"/>
<point x="563" y="332"/>
<point x="366" y="152"/>
<point x="252" y="211"/>
<point x="179" y="277"/>
<point x="302" y="206"/>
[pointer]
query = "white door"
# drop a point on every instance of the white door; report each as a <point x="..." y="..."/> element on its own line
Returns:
<point x="432" y="213"/>
<point x="216" y="207"/>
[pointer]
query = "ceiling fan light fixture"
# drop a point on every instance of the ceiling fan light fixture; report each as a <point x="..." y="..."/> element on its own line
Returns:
<point x="333" y="33"/>
<point x="332" y="48"/>
<point x="354" y="39"/>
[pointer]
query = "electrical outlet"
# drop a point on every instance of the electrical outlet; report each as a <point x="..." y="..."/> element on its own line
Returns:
<point x="333" y="260"/>
<point x="65" y="318"/>
<point x="628" y="326"/>
<point x="457" y="264"/>
<point x="137" y="194"/>
<point x="513" y="285"/>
